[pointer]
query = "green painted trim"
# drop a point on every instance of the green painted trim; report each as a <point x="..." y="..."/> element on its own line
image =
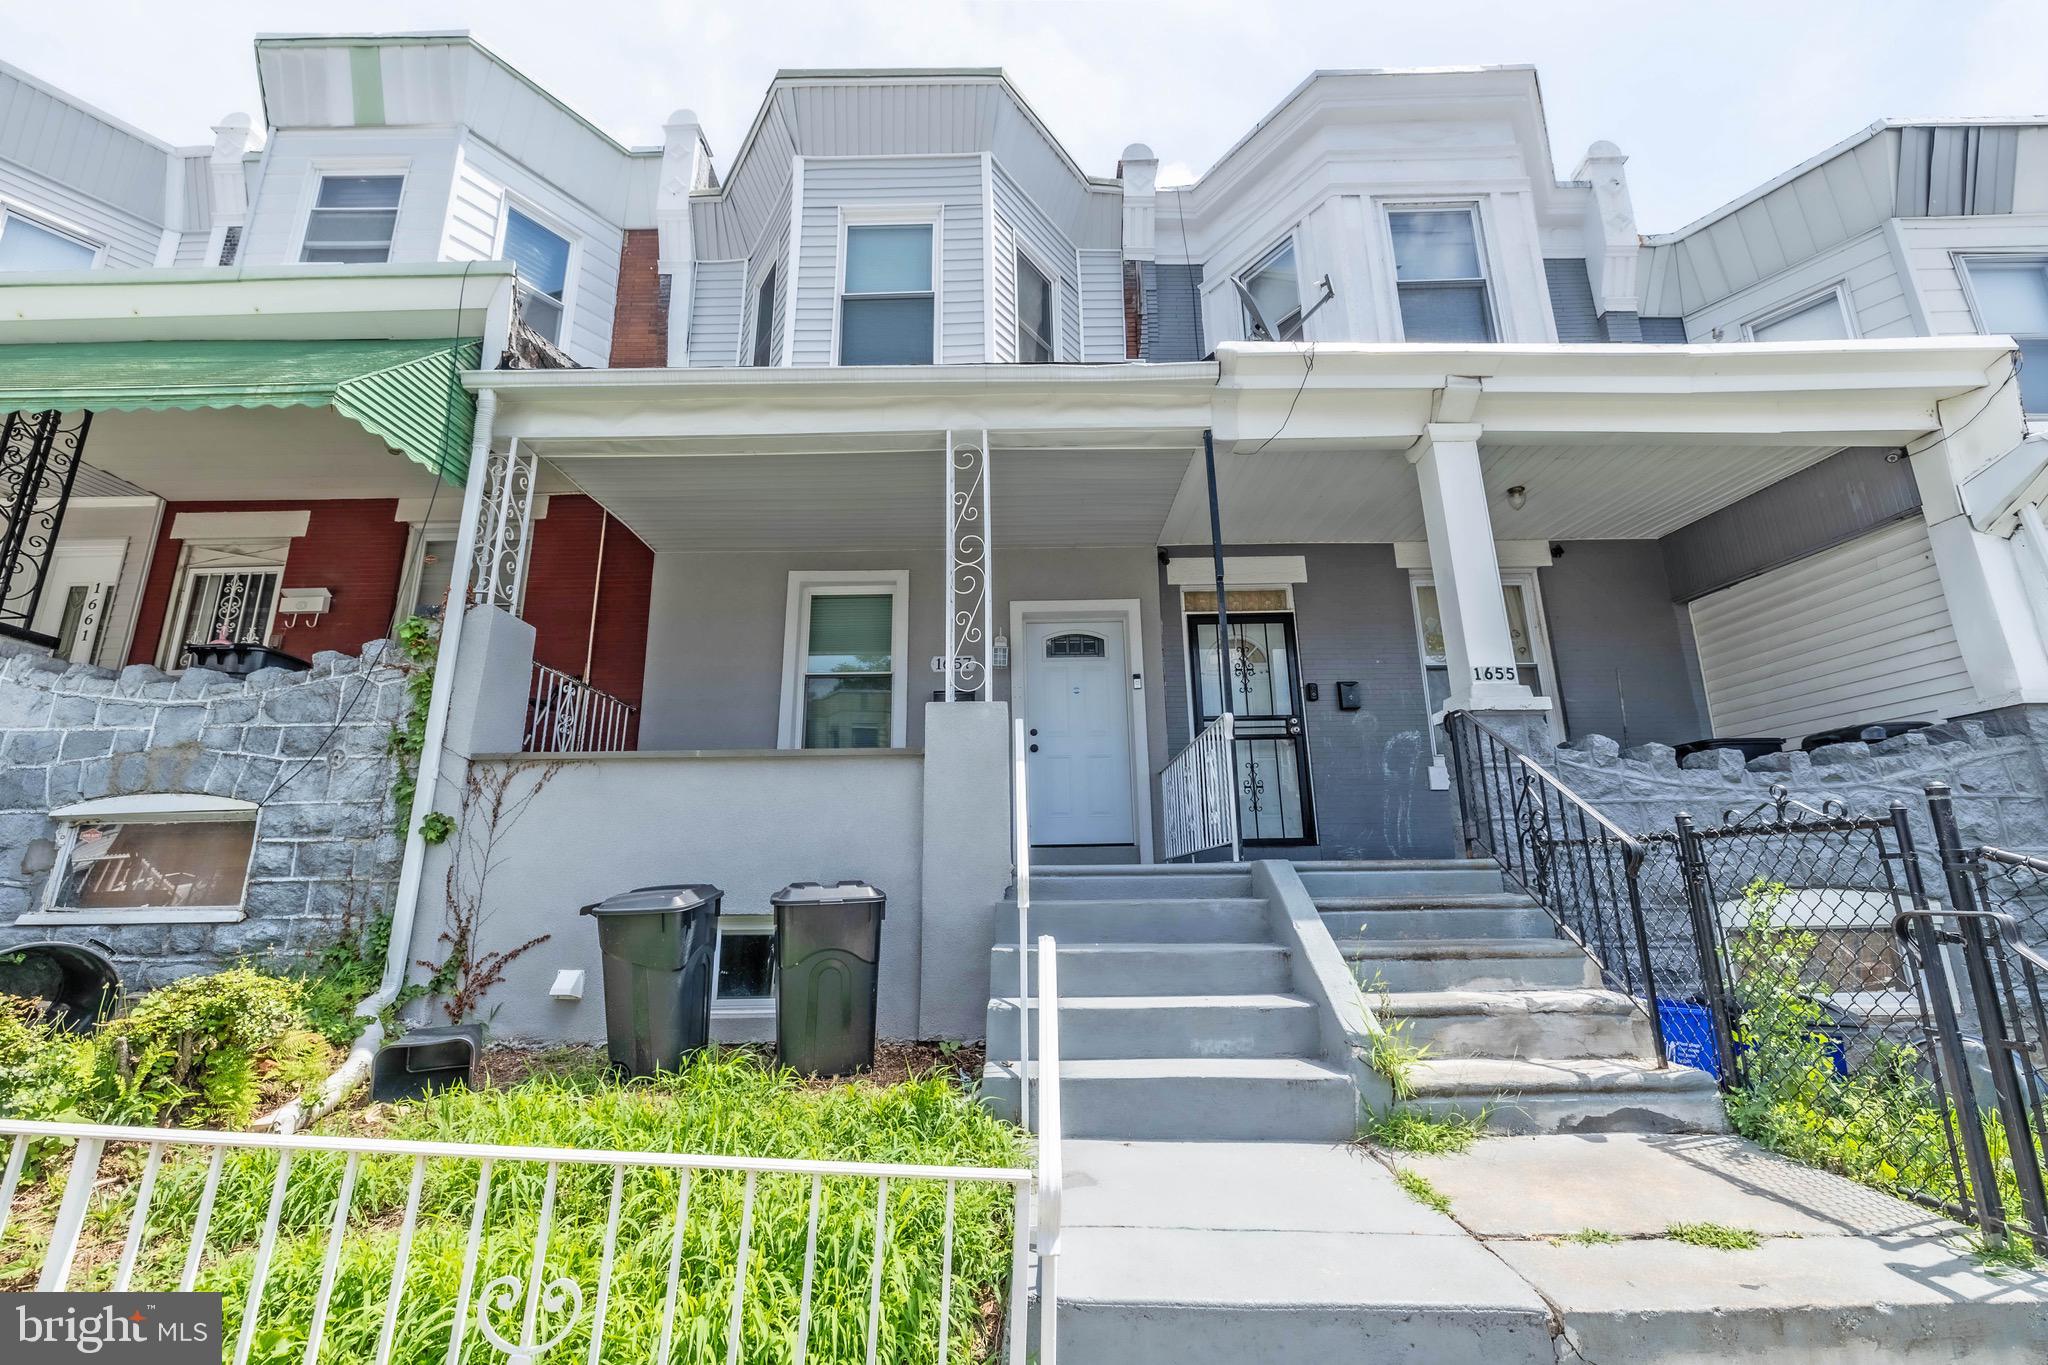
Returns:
<point x="366" y="83"/>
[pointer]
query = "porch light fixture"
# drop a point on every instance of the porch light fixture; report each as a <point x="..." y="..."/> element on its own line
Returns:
<point x="1518" y="497"/>
<point x="999" y="652"/>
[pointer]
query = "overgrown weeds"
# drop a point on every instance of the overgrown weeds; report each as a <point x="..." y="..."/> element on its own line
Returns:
<point x="1417" y="1186"/>
<point x="1423" y="1133"/>
<point x="1718" y="1236"/>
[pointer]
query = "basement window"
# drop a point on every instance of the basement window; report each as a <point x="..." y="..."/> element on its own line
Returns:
<point x="745" y="970"/>
<point x="155" y="859"/>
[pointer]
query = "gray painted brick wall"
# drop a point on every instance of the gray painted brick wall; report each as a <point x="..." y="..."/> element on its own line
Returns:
<point x="1173" y="312"/>
<point x="1571" y="300"/>
<point x="312" y="749"/>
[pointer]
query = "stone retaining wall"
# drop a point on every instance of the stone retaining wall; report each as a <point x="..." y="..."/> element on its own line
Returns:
<point x="311" y="748"/>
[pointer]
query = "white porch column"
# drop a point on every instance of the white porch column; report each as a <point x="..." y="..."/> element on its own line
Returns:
<point x="1466" y="571"/>
<point x="1981" y="575"/>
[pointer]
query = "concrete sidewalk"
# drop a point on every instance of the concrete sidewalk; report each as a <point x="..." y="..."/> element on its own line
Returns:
<point x="1284" y="1252"/>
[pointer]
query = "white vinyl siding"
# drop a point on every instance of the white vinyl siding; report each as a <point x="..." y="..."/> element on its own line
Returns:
<point x="1864" y="270"/>
<point x="771" y="252"/>
<point x="952" y="184"/>
<point x="1051" y="248"/>
<point x="717" y="309"/>
<point x="1102" y="305"/>
<point x="81" y="172"/>
<point x="1857" y="633"/>
<point x="299" y="157"/>
<point x="1003" y="280"/>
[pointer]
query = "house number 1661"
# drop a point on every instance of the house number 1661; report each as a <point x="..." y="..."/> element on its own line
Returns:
<point x="1492" y="673"/>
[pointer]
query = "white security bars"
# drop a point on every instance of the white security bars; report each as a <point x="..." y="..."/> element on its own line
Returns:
<point x="497" y="1252"/>
<point x="565" y="715"/>
<point x="970" y="570"/>
<point x="1199" y="792"/>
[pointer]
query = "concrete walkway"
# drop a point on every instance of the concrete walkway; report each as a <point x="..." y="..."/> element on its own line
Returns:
<point x="1201" y="1252"/>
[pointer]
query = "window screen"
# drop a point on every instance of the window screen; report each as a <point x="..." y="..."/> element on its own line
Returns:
<point x="1439" y="275"/>
<point x="353" y="219"/>
<point x="885" y="315"/>
<point x="543" y="261"/>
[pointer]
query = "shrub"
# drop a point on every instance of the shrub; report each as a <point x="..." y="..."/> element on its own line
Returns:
<point x="44" y="1070"/>
<point x="205" y="1050"/>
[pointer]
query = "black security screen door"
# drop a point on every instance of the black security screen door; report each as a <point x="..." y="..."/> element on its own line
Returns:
<point x="1274" y="805"/>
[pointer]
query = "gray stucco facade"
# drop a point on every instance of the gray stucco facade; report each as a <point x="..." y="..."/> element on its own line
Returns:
<point x="311" y="750"/>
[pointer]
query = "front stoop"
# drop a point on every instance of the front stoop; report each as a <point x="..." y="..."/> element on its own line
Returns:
<point x="1513" y="1022"/>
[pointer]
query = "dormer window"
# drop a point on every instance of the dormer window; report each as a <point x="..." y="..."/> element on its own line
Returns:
<point x="1813" y="319"/>
<point x="886" y="308"/>
<point x="542" y="258"/>
<point x="1440" y="274"/>
<point x="28" y="245"/>
<point x="1275" y="284"/>
<point x="353" y="220"/>
<point x="1034" y="314"/>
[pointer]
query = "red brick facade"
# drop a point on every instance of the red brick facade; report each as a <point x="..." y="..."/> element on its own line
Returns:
<point x="640" y="318"/>
<point x="560" y="579"/>
<point x="352" y="547"/>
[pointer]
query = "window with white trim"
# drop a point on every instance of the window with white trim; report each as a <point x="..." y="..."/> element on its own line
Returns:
<point x="1034" y="314"/>
<point x="1440" y="274"/>
<point x="1275" y="285"/>
<point x="2010" y="296"/>
<point x="541" y="256"/>
<point x="429" y="573"/>
<point x="232" y="603"/>
<point x="26" y="244"/>
<point x="844" y="672"/>
<point x="353" y="219"/>
<point x="887" y="307"/>
<point x="1526" y="631"/>
<point x="1813" y="319"/>
<point x="764" y="320"/>
<point x="744" y="969"/>
<point x="151" y="859"/>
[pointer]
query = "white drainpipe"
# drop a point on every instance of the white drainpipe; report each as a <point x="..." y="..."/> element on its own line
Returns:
<point x="405" y="905"/>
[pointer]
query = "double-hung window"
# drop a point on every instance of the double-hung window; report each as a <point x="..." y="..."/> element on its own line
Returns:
<point x="1034" y="314"/>
<point x="542" y="258"/>
<point x="2011" y="298"/>
<point x="28" y="245"/>
<point x="886" y="310"/>
<point x="764" y="319"/>
<point x="844" y="676"/>
<point x="1440" y="274"/>
<point x="353" y="219"/>
<point x="1274" y="283"/>
<point x="1526" y="633"/>
<point x="1814" y="319"/>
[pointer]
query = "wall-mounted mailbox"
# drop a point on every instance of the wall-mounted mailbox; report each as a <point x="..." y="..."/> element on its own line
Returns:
<point x="1350" y="696"/>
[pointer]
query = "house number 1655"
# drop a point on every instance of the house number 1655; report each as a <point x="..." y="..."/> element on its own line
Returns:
<point x="1492" y="673"/>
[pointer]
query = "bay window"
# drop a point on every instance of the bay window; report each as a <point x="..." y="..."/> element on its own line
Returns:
<point x="1440" y="274"/>
<point x="887" y="307"/>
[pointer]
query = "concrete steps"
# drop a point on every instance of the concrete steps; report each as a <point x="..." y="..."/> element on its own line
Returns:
<point x="1511" y="1020"/>
<point x="1168" y="1099"/>
<point x="1177" y="1017"/>
<point x="1570" y="1095"/>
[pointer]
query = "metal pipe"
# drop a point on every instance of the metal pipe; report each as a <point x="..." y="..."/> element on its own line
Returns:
<point x="1216" y="553"/>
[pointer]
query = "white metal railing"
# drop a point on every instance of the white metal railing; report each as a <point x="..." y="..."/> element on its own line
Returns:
<point x="1051" y="1166"/>
<point x="565" y="715"/>
<point x="522" y="1312"/>
<point x="1020" y="820"/>
<point x="1198" y="792"/>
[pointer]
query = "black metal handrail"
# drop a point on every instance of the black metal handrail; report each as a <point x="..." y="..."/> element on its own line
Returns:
<point x="1580" y="866"/>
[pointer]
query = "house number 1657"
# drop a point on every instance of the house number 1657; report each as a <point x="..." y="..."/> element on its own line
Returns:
<point x="1492" y="673"/>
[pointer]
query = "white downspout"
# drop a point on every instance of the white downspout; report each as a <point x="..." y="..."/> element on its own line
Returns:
<point x="405" y="904"/>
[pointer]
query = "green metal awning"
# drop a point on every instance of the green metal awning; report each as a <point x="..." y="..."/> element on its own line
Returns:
<point x="408" y="394"/>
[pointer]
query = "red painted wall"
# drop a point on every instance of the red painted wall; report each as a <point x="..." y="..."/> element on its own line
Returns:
<point x="352" y="547"/>
<point x="560" y="577"/>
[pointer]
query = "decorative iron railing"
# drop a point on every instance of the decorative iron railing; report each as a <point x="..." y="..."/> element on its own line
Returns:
<point x="386" y="1250"/>
<point x="565" y="715"/>
<point x="39" y="457"/>
<point x="1579" y="865"/>
<point x="1198" y="794"/>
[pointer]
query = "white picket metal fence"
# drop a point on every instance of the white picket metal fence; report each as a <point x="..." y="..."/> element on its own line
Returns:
<point x="565" y="715"/>
<point x="1198" y="794"/>
<point x="1020" y="820"/>
<point x="532" y="1299"/>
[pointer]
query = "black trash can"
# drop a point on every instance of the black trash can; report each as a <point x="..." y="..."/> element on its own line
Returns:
<point x="658" y="943"/>
<point x="828" y="943"/>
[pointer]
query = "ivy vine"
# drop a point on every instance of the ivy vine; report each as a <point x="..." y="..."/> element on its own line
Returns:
<point x="418" y="639"/>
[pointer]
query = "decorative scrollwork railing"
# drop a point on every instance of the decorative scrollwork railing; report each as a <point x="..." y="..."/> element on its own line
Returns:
<point x="39" y="457"/>
<point x="969" y="568"/>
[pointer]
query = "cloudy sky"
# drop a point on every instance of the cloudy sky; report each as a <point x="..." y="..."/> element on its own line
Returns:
<point x="1708" y="98"/>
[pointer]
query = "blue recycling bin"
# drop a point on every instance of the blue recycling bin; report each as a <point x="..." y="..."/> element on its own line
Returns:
<point x="1689" y="1038"/>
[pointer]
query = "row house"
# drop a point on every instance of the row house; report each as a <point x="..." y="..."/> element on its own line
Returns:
<point x="777" y="493"/>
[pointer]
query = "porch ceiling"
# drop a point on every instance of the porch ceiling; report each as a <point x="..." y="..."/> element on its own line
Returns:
<point x="229" y="454"/>
<point x="877" y="499"/>
<point x="1587" y="491"/>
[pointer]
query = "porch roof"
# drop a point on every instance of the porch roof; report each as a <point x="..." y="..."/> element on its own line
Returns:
<point x="405" y="393"/>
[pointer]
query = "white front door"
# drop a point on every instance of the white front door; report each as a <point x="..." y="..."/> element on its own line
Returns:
<point x="76" y="596"/>
<point x="1077" y="719"/>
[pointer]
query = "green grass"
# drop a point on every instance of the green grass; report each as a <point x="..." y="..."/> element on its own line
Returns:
<point x="1590" y="1237"/>
<point x="1718" y="1236"/>
<point x="2016" y="1253"/>
<point x="1422" y="1133"/>
<point x="725" y="1103"/>
<point x="1417" y="1187"/>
